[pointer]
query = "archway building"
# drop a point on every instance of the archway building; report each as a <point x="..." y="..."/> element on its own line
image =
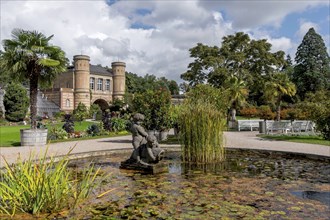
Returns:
<point x="87" y="84"/>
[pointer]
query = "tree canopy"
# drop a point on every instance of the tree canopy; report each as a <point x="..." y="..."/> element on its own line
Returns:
<point x="248" y="60"/>
<point x="312" y="70"/>
<point x="29" y="56"/>
<point x="16" y="102"/>
<point x="139" y="84"/>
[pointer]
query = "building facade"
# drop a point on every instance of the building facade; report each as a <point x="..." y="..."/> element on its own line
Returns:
<point x="88" y="84"/>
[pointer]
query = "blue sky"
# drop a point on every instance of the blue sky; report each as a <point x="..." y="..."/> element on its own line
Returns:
<point x="154" y="37"/>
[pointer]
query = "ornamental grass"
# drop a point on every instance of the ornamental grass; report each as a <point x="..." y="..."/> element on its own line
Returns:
<point x="43" y="186"/>
<point x="201" y="133"/>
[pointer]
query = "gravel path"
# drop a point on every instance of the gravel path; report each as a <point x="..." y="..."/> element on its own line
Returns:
<point x="247" y="140"/>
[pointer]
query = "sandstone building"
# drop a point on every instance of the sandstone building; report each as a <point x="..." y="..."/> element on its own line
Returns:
<point x="88" y="84"/>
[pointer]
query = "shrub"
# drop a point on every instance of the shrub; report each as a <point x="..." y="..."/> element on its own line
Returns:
<point x="249" y="112"/>
<point x="95" y="110"/>
<point x="45" y="186"/>
<point x="106" y="120"/>
<point x="264" y="112"/>
<point x="55" y="133"/>
<point x="69" y="124"/>
<point x="16" y="102"/>
<point x="93" y="130"/>
<point x="118" y="124"/>
<point x="155" y="106"/>
<point x="80" y="113"/>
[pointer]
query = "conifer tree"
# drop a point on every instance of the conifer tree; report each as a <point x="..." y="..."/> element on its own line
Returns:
<point x="16" y="102"/>
<point x="312" y="70"/>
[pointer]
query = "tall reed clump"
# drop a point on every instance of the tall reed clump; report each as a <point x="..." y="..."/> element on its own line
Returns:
<point x="201" y="129"/>
<point x="43" y="186"/>
<point x="202" y="121"/>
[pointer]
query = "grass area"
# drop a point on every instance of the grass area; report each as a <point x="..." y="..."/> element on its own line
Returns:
<point x="10" y="135"/>
<point x="307" y="139"/>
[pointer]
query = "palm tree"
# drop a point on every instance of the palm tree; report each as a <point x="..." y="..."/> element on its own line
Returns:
<point x="28" y="57"/>
<point x="278" y="86"/>
<point x="237" y="91"/>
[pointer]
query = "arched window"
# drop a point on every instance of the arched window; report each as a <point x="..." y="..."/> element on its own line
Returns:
<point x="67" y="103"/>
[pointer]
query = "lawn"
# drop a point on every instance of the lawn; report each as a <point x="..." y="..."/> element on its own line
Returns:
<point x="10" y="135"/>
<point x="308" y="139"/>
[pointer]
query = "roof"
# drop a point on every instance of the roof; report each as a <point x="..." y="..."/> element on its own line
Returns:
<point x="96" y="70"/>
<point x="99" y="70"/>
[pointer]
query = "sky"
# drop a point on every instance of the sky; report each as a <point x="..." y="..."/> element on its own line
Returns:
<point x="154" y="37"/>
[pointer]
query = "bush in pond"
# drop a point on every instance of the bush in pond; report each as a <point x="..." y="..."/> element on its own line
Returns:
<point x="45" y="186"/>
<point x="201" y="123"/>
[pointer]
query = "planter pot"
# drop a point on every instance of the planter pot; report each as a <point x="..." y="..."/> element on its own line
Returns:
<point x="34" y="137"/>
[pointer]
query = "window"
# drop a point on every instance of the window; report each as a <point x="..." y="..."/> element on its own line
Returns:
<point x="107" y="85"/>
<point x="67" y="103"/>
<point x="100" y="84"/>
<point x="92" y="83"/>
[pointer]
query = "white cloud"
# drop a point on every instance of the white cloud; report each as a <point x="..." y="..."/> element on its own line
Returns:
<point x="253" y="13"/>
<point x="304" y="27"/>
<point x="105" y="32"/>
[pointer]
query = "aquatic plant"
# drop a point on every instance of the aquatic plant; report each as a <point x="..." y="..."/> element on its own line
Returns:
<point x="201" y="133"/>
<point x="202" y="121"/>
<point x="43" y="186"/>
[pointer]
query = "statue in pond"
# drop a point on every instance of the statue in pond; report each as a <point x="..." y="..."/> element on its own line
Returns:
<point x="146" y="153"/>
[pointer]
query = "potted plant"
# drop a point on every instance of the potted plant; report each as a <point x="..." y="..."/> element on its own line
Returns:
<point x="29" y="57"/>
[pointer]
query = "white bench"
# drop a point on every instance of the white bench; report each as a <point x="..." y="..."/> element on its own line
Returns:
<point x="248" y="124"/>
<point x="279" y="126"/>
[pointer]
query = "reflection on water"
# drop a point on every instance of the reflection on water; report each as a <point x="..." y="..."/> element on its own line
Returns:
<point x="323" y="197"/>
<point x="248" y="185"/>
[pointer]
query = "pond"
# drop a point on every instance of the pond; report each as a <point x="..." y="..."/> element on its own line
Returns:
<point x="249" y="185"/>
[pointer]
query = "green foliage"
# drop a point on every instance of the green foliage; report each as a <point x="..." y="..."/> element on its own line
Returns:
<point x="248" y="60"/>
<point x="94" y="109"/>
<point x="16" y="102"/>
<point x="93" y="130"/>
<point x="312" y="70"/>
<point x="138" y="84"/>
<point x="81" y="112"/>
<point x="46" y="186"/>
<point x="155" y="106"/>
<point x="118" y="124"/>
<point x="30" y="57"/>
<point x="276" y="87"/>
<point x="57" y="133"/>
<point x="265" y="112"/>
<point x="318" y="107"/>
<point x="208" y="94"/>
<point x="202" y="120"/>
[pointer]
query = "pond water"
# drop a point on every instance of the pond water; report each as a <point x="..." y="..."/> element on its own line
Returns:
<point x="249" y="185"/>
